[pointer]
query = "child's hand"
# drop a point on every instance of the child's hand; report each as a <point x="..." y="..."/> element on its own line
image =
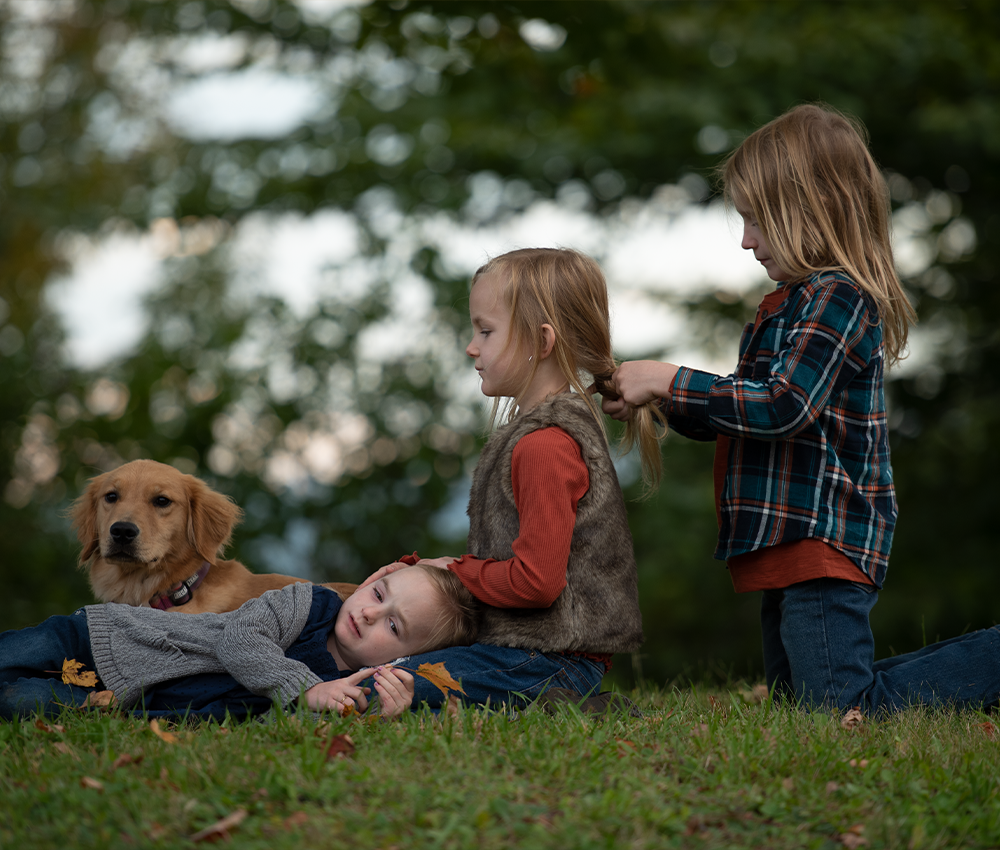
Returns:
<point x="341" y="694"/>
<point x="381" y="573"/>
<point x="395" y="690"/>
<point x="440" y="563"/>
<point x="638" y="382"/>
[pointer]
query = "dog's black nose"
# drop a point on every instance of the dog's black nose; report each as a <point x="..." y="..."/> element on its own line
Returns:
<point x="124" y="532"/>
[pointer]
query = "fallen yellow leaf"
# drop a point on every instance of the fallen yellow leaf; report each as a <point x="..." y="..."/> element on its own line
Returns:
<point x="169" y="737"/>
<point x="439" y="676"/>
<point x="74" y="674"/>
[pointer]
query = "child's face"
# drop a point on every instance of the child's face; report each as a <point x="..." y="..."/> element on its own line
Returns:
<point x="389" y="618"/>
<point x="501" y="368"/>
<point x="753" y="240"/>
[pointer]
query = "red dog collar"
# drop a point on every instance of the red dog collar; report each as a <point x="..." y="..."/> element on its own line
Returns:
<point x="182" y="592"/>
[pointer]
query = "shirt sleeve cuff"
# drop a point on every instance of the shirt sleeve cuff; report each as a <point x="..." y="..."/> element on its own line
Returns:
<point x="689" y="394"/>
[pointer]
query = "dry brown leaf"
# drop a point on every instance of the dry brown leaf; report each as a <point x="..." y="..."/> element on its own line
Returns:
<point x="45" y="727"/>
<point x="852" y="719"/>
<point x="125" y="759"/>
<point x="74" y="674"/>
<point x="220" y="829"/>
<point x="453" y="703"/>
<point x="295" y="820"/>
<point x="99" y="699"/>
<point x="348" y="710"/>
<point x="989" y="730"/>
<point x="439" y="676"/>
<point x="853" y="838"/>
<point x="339" y="746"/>
<point x="64" y="748"/>
<point x="90" y="782"/>
<point x="169" y="737"/>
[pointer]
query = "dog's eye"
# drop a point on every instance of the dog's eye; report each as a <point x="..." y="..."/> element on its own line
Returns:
<point x="162" y="501"/>
<point x="110" y="498"/>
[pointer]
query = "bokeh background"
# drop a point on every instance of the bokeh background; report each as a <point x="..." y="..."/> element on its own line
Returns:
<point x="237" y="237"/>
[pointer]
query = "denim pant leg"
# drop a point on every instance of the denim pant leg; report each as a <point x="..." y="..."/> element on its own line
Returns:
<point x="498" y="674"/>
<point x="961" y="671"/>
<point x="777" y="671"/>
<point x="826" y="638"/>
<point x="31" y="662"/>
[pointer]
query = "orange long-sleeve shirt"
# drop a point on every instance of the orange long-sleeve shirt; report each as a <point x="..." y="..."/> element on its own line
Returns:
<point x="549" y="477"/>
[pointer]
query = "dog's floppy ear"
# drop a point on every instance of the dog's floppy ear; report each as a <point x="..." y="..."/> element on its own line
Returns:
<point x="211" y="518"/>
<point x="84" y="515"/>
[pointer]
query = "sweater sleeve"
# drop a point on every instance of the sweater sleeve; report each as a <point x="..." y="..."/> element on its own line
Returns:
<point x="549" y="477"/>
<point x="253" y="643"/>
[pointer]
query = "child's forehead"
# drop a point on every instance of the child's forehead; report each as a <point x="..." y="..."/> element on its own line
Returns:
<point x="407" y="584"/>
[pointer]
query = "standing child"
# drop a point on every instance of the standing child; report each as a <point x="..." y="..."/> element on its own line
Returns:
<point x="551" y="552"/>
<point x="298" y="640"/>
<point x="803" y="482"/>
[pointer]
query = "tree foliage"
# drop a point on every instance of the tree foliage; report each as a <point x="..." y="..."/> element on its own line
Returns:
<point x="467" y="112"/>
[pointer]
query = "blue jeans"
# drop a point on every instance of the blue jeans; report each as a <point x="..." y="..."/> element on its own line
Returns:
<point x="819" y="650"/>
<point x="31" y="662"/>
<point x="500" y="674"/>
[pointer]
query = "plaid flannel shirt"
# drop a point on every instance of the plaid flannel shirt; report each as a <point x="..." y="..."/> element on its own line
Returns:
<point x="805" y="413"/>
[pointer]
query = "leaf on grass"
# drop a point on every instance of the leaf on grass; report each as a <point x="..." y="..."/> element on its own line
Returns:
<point x="439" y="676"/>
<point x="99" y="699"/>
<point x="220" y="829"/>
<point x="296" y="820"/>
<point x="65" y="749"/>
<point x="348" y="710"/>
<point x="853" y="838"/>
<point x="45" y="727"/>
<point x="339" y="746"/>
<point x="169" y="737"/>
<point x="989" y="730"/>
<point x="90" y="782"/>
<point x="126" y="759"/>
<point x="452" y="709"/>
<point x="74" y="674"/>
<point x="852" y="719"/>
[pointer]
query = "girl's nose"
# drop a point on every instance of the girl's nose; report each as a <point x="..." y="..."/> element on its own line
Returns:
<point x="749" y="241"/>
<point x="368" y="614"/>
<point x="470" y="351"/>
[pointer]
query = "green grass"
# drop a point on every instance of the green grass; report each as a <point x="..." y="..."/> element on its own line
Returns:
<point x="700" y="769"/>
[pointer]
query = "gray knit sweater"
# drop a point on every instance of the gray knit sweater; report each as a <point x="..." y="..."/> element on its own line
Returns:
<point x="139" y="647"/>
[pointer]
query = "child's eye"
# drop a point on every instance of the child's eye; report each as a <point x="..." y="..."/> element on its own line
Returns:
<point x="377" y="593"/>
<point x="394" y="627"/>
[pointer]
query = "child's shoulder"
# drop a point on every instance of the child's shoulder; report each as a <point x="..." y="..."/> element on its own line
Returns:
<point x="831" y="285"/>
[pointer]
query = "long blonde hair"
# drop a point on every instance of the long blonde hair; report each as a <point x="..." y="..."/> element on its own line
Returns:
<point x="567" y="290"/>
<point x="821" y="202"/>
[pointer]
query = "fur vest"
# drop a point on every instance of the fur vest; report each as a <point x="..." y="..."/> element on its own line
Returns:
<point x="598" y="610"/>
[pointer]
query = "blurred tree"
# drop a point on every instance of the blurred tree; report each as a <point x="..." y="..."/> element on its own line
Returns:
<point x="343" y="461"/>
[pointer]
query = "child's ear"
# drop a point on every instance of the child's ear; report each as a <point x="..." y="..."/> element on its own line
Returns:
<point x="548" y="340"/>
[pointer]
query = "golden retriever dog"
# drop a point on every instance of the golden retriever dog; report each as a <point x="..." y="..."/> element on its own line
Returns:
<point x="152" y="536"/>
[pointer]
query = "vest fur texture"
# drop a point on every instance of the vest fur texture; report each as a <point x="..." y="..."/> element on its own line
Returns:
<point x="598" y="610"/>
